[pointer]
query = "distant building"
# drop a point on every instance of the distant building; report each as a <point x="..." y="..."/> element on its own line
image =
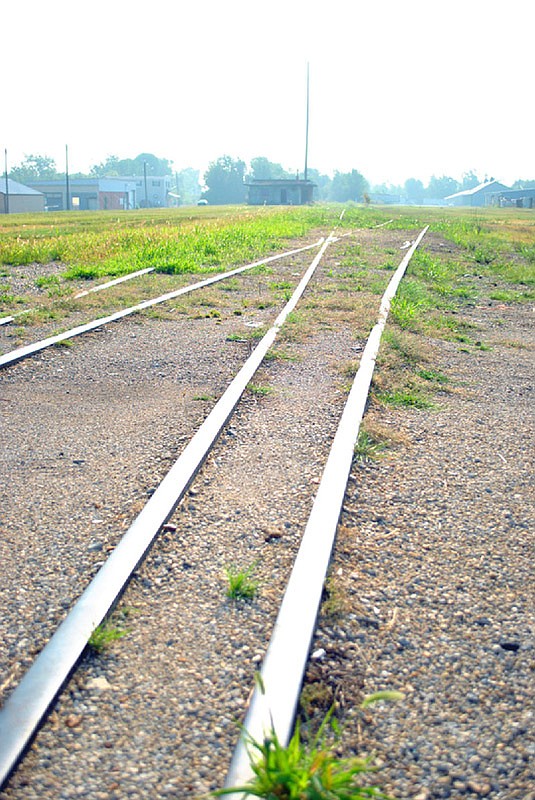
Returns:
<point x="158" y="189"/>
<point x="280" y="192"/>
<point x="100" y="194"/>
<point x="19" y="199"/>
<point x="385" y="198"/>
<point x="517" y="198"/>
<point x="478" y="196"/>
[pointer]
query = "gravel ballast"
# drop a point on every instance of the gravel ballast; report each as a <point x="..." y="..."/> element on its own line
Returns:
<point x="431" y="563"/>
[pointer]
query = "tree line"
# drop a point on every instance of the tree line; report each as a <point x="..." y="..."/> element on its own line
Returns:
<point x="224" y="180"/>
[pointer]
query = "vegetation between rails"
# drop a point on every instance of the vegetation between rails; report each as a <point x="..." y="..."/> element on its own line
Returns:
<point x="241" y="585"/>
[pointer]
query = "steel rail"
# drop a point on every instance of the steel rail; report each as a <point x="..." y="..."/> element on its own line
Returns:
<point x="115" y="282"/>
<point x="12" y="317"/>
<point x="29" y="350"/>
<point x="274" y="699"/>
<point x="28" y="703"/>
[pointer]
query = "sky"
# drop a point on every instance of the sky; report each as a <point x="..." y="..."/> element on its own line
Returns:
<point x="398" y="88"/>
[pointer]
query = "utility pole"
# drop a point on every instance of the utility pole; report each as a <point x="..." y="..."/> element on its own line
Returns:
<point x="145" y="179"/>
<point x="67" y="177"/>
<point x="306" y="138"/>
<point x="6" y="200"/>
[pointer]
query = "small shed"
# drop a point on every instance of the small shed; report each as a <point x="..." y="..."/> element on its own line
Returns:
<point x="280" y="192"/>
<point x="518" y="198"/>
<point x="19" y="199"/>
<point x="478" y="196"/>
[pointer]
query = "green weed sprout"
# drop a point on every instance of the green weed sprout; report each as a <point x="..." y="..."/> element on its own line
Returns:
<point x="240" y="584"/>
<point x="103" y="636"/>
<point x="312" y="771"/>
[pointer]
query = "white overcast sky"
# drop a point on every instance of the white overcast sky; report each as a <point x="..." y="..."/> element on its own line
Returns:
<point x="398" y="88"/>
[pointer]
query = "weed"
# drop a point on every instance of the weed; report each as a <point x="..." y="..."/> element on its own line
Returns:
<point x="367" y="448"/>
<point x="47" y="281"/>
<point x="404" y="398"/>
<point x="203" y="397"/>
<point x="260" y="391"/>
<point x="230" y="285"/>
<point x="511" y="296"/>
<point x="240" y="584"/>
<point x="280" y="355"/>
<point x="103" y="635"/>
<point x="335" y="602"/>
<point x="432" y="375"/>
<point x="305" y="771"/>
<point x="280" y="285"/>
<point x="316" y="695"/>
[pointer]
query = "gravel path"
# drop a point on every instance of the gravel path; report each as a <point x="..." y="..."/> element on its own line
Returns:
<point x="411" y="607"/>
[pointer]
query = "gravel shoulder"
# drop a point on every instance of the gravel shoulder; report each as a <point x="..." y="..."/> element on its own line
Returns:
<point x="434" y="572"/>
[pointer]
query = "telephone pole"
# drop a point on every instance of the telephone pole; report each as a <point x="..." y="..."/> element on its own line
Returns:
<point x="306" y="137"/>
<point x="6" y="200"/>
<point x="67" y="177"/>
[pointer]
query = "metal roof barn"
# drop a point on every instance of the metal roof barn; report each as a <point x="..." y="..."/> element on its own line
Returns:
<point x="478" y="196"/>
<point x="19" y="199"/>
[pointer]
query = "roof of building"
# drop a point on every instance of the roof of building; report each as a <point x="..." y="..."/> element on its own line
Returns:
<point x="513" y="194"/>
<point x="15" y="188"/>
<point x="482" y="187"/>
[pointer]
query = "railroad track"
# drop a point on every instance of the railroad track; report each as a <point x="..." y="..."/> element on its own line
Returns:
<point x="35" y="347"/>
<point x="37" y="690"/>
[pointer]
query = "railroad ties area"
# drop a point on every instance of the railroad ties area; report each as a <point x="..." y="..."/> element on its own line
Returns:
<point x="99" y="425"/>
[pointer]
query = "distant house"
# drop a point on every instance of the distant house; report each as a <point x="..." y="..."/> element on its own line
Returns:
<point x="158" y="188"/>
<point x="19" y="199"/>
<point x="280" y="192"/>
<point x="478" y="196"/>
<point x="100" y="194"/>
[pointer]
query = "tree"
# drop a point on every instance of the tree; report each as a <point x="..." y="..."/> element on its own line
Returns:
<point x="524" y="184"/>
<point x="155" y="165"/>
<point x="323" y="184"/>
<point x="348" y="186"/>
<point x="439" y="188"/>
<point x="106" y="169"/>
<point x="224" y="179"/>
<point x="470" y="180"/>
<point x="34" y="168"/>
<point x="188" y="188"/>
<point x="114" y="166"/>
<point x="414" y="190"/>
<point x="263" y="169"/>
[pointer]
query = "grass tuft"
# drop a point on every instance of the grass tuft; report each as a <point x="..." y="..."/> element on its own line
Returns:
<point x="368" y="448"/>
<point x="241" y="586"/>
<point x="305" y="771"/>
<point x="104" y="635"/>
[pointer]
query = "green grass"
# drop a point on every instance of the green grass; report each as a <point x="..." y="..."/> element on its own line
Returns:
<point x="258" y="390"/>
<point x="432" y="375"/>
<point x="309" y="770"/>
<point x="280" y="355"/>
<point x="367" y="448"/>
<point x="241" y="585"/>
<point x="404" y="398"/>
<point x="104" y="635"/>
<point x="98" y="244"/>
